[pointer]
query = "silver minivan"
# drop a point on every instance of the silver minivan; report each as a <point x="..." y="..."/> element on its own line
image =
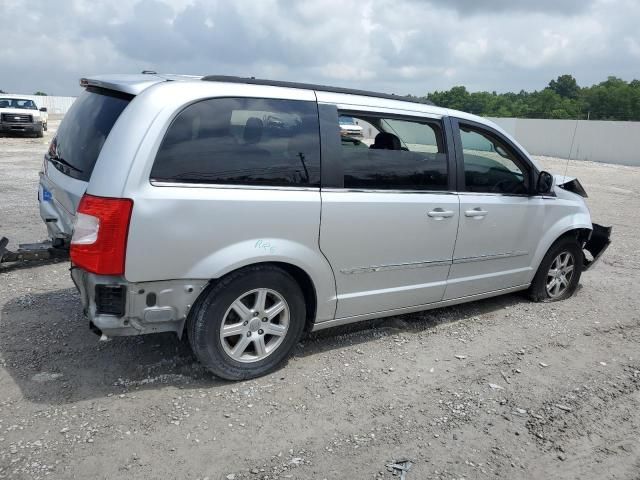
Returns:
<point x="237" y="211"/>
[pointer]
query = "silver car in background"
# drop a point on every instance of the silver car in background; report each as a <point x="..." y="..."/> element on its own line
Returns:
<point x="233" y="210"/>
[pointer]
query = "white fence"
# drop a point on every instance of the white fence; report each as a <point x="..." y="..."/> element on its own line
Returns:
<point x="59" y="105"/>
<point x="595" y="140"/>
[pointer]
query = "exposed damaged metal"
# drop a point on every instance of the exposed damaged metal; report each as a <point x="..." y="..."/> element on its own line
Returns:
<point x="116" y="307"/>
<point x="597" y="244"/>
<point x="571" y="184"/>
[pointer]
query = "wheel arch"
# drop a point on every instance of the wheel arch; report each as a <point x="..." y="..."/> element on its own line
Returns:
<point x="303" y="279"/>
<point x="304" y="262"/>
<point x="581" y="232"/>
<point x="308" y="290"/>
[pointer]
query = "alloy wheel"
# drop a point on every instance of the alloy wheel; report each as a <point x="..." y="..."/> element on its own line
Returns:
<point x="255" y="325"/>
<point x="560" y="274"/>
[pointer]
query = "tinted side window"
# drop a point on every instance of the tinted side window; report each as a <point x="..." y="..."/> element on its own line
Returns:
<point x="392" y="154"/>
<point x="489" y="164"/>
<point x="244" y="141"/>
<point x="84" y="130"/>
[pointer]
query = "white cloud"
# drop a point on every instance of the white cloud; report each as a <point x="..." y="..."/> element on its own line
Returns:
<point x="473" y="50"/>
<point x="345" y="71"/>
<point x="404" y="46"/>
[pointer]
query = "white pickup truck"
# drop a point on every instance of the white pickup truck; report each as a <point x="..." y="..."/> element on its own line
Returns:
<point x="21" y="115"/>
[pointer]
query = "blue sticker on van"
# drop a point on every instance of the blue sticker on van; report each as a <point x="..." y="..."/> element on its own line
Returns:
<point x="46" y="195"/>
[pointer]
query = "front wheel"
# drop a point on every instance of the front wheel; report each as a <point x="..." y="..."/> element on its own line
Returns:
<point x="248" y="322"/>
<point x="559" y="273"/>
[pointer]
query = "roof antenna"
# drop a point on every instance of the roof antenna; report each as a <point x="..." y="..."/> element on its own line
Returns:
<point x="573" y="139"/>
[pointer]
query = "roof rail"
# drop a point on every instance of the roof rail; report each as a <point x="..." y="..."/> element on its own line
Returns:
<point x="311" y="86"/>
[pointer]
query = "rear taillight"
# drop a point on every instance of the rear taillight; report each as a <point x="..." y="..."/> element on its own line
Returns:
<point x="53" y="147"/>
<point x="99" y="241"/>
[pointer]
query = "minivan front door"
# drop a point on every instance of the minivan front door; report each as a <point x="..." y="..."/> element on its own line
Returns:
<point x="500" y="222"/>
<point x="389" y="227"/>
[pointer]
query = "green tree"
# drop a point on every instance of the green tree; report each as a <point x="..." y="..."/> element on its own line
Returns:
<point x="613" y="99"/>
<point x="456" y="98"/>
<point x="566" y="86"/>
<point x="39" y="93"/>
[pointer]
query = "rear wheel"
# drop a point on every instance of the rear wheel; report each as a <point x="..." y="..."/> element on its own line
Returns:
<point x="248" y="322"/>
<point x="44" y="126"/>
<point x="559" y="273"/>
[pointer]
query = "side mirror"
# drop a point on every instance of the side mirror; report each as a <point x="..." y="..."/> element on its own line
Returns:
<point x="43" y="109"/>
<point x="545" y="183"/>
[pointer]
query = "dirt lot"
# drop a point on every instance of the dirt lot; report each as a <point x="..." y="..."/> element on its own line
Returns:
<point x="501" y="388"/>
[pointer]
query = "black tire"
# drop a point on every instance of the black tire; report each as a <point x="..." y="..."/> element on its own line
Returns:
<point x="538" y="291"/>
<point x="206" y="320"/>
<point x="44" y="126"/>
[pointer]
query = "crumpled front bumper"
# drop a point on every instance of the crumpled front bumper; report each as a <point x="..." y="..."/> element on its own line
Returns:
<point x="598" y="242"/>
<point x="116" y="307"/>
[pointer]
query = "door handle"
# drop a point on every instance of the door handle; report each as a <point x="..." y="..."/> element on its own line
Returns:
<point x="439" y="213"/>
<point x="476" y="212"/>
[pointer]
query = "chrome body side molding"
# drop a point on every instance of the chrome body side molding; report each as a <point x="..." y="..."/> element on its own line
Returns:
<point x="494" y="256"/>
<point x="396" y="266"/>
<point x="431" y="263"/>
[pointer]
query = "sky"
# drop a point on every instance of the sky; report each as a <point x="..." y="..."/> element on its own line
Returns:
<point x="393" y="46"/>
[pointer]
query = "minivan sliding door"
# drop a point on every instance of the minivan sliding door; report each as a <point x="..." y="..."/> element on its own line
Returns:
<point x="389" y="221"/>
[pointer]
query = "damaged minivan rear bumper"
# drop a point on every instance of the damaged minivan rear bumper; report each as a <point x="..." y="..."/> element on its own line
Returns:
<point x="116" y="307"/>
<point x="598" y="242"/>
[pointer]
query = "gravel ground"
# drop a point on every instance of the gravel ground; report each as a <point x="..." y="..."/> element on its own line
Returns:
<point x="501" y="388"/>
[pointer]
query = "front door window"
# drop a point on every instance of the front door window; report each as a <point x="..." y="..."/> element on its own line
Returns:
<point x="489" y="164"/>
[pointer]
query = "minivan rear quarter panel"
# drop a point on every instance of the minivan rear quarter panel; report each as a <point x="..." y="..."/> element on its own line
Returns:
<point x="207" y="231"/>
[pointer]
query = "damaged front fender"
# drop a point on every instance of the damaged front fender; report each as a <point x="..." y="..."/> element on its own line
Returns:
<point x="571" y="184"/>
<point x="596" y="245"/>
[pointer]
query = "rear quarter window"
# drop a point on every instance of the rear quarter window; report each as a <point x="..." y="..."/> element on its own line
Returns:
<point x="242" y="141"/>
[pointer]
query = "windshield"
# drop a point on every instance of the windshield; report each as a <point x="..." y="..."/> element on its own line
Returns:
<point x="346" y="120"/>
<point x="84" y="129"/>
<point x="17" y="103"/>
